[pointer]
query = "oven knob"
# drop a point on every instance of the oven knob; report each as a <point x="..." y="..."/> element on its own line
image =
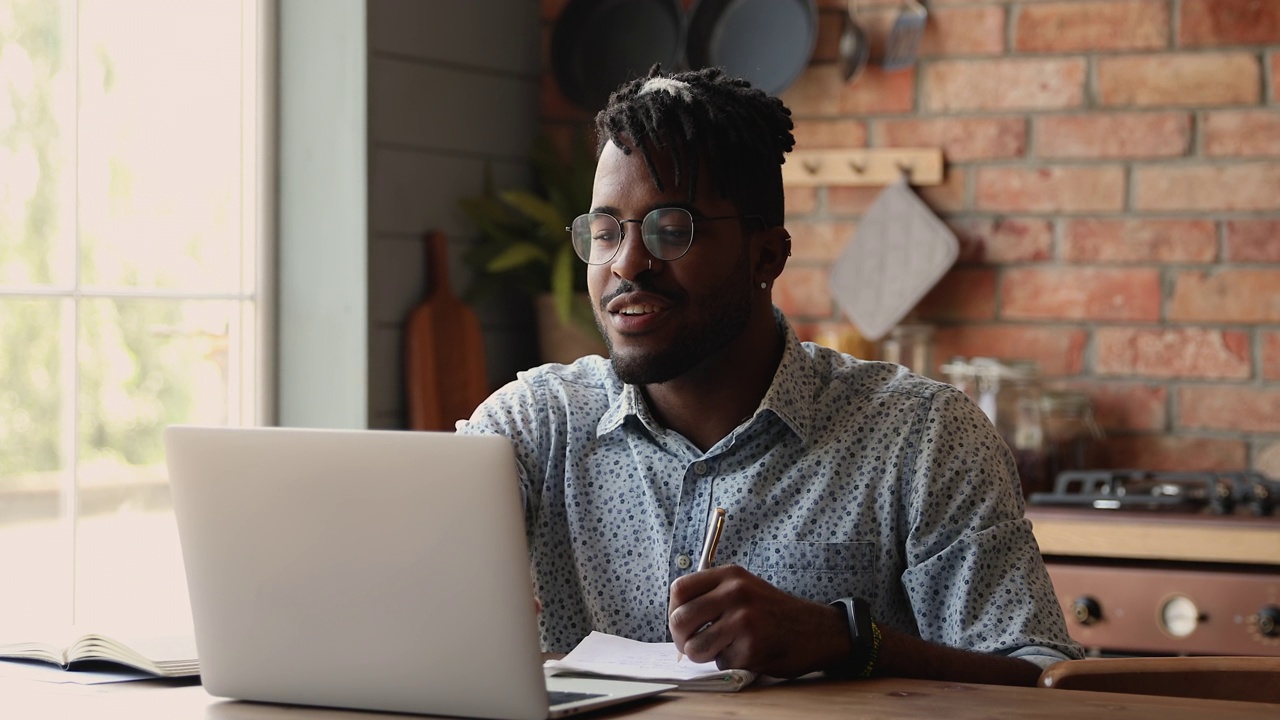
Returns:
<point x="1269" y="621"/>
<point x="1179" y="616"/>
<point x="1086" y="610"/>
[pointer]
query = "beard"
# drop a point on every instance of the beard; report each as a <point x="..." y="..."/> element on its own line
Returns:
<point x="707" y="330"/>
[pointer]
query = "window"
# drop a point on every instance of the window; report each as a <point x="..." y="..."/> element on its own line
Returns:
<point x="131" y="298"/>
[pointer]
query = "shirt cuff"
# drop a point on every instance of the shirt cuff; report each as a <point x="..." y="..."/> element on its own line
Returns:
<point x="1040" y="656"/>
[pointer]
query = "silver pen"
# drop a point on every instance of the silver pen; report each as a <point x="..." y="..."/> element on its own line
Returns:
<point x="709" y="545"/>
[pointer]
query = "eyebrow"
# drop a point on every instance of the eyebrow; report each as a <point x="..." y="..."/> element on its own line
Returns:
<point x="611" y="210"/>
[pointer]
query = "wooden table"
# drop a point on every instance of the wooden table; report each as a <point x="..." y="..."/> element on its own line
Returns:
<point x="817" y="699"/>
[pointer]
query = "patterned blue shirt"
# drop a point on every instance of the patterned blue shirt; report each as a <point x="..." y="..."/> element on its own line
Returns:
<point x="852" y="478"/>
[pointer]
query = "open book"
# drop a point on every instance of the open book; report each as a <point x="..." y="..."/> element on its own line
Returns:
<point x="168" y="656"/>
<point x="610" y="656"/>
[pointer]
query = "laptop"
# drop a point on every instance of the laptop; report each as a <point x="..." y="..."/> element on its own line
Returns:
<point x="373" y="570"/>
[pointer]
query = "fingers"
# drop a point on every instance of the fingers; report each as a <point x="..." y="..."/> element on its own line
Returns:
<point x="698" y="603"/>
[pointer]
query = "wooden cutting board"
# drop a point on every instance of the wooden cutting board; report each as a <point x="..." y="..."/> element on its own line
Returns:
<point x="444" y="350"/>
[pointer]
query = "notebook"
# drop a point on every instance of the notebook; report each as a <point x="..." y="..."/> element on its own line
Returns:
<point x="372" y="570"/>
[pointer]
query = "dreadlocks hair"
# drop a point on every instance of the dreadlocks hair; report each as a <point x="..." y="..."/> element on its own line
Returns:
<point x="743" y="132"/>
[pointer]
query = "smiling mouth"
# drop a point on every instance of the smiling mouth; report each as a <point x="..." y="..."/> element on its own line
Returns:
<point x="637" y="310"/>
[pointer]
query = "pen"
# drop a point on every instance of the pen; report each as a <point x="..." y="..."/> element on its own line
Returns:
<point x="713" y="539"/>
<point x="709" y="545"/>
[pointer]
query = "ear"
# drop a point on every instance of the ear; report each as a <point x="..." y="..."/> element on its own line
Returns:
<point x="773" y="248"/>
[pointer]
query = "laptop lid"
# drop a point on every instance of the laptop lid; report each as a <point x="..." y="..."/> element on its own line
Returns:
<point x="364" y="569"/>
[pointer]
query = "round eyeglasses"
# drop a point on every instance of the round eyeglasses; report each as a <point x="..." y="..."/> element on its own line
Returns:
<point x="667" y="234"/>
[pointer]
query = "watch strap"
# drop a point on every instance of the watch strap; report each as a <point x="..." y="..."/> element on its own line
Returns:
<point x="864" y="640"/>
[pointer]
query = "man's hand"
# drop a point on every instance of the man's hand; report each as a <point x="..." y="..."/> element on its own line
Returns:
<point x="752" y="625"/>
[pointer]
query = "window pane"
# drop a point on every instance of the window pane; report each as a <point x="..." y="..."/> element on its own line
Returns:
<point x="35" y="534"/>
<point x="160" y="144"/>
<point x="144" y="364"/>
<point x="36" y="128"/>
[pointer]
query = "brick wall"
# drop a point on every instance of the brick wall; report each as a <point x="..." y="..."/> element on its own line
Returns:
<point x="1113" y="174"/>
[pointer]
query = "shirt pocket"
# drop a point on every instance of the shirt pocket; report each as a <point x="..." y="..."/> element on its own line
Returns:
<point x="817" y="571"/>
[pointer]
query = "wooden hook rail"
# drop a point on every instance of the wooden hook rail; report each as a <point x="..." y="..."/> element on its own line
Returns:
<point x="922" y="166"/>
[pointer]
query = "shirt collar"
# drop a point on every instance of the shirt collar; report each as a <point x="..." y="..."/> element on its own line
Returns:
<point x="787" y="396"/>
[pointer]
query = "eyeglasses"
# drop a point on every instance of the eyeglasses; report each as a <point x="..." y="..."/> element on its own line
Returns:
<point x="667" y="233"/>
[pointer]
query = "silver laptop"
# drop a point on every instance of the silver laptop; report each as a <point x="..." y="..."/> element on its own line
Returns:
<point x="372" y="570"/>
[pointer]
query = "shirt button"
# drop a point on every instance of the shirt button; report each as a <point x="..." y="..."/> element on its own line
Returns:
<point x="700" y="468"/>
<point x="683" y="561"/>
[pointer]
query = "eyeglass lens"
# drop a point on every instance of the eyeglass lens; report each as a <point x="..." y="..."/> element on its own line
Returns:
<point x="667" y="233"/>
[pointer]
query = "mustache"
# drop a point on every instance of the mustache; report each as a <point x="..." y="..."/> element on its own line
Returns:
<point x="628" y="286"/>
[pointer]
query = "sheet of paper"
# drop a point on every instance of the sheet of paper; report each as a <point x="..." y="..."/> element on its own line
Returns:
<point x="44" y="672"/>
<point x="604" y="654"/>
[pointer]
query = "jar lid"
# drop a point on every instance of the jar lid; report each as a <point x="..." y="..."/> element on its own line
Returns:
<point x="1069" y="401"/>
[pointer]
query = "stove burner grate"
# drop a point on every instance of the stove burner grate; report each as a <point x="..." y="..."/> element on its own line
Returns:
<point x="1220" y="493"/>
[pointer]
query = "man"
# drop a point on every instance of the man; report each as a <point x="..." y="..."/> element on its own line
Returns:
<point x="845" y="482"/>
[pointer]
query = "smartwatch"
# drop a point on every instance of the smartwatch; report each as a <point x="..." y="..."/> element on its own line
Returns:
<point x="864" y="638"/>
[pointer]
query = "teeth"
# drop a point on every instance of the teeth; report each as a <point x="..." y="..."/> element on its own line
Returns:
<point x="638" y="309"/>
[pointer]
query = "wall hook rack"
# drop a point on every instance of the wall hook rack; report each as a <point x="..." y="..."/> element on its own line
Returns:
<point x="921" y="166"/>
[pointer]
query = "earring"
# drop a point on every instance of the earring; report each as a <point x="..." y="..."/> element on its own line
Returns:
<point x="764" y="286"/>
<point x="650" y="263"/>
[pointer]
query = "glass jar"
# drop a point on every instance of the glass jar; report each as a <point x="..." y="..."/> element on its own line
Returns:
<point x="844" y="337"/>
<point x="1009" y="393"/>
<point x="1018" y="406"/>
<point x="909" y="345"/>
<point x="1070" y="432"/>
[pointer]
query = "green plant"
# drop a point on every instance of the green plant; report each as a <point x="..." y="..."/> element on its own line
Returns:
<point x="523" y="243"/>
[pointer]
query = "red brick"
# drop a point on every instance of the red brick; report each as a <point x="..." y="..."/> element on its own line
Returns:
<point x="1165" y="241"/>
<point x="1268" y="460"/>
<point x="963" y="31"/>
<point x="1005" y="84"/>
<point x="947" y="197"/>
<point x="1003" y="240"/>
<point x="1173" y="352"/>
<point x="1057" y="350"/>
<point x="1051" y="189"/>
<point x="1243" y="408"/>
<point x="819" y="239"/>
<point x="1173" y="452"/>
<point x="827" y="47"/>
<point x="804" y="292"/>
<point x="1253" y="241"/>
<point x="1209" y="188"/>
<point x="1242" y="133"/>
<point x="1119" y="135"/>
<point x="801" y="200"/>
<point x="821" y="92"/>
<point x="1126" y="406"/>
<point x="1227" y="295"/>
<point x="822" y="134"/>
<point x="1271" y="354"/>
<point x="1092" y="26"/>
<point x="1181" y="80"/>
<point x="1275" y="77"/>
<point x="1229" y="22"/>
<point x="1080" y="293"/>
<point x="961" y="294"/>
<point x="960" y="138"/>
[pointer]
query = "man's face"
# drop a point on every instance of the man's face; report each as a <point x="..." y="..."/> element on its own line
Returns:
<point x="662" y="320"/>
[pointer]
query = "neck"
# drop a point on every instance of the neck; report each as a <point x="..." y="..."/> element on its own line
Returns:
<point x="708" y="402"/>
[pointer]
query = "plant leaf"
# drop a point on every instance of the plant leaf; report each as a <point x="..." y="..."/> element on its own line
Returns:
<point x="562" y="282"/>
<point x="520" y="253"/>
<point x="539" y="210"/>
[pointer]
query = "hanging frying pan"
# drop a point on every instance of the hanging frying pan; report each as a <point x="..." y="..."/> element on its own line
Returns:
<point x="768" y="42"/>
<point x="596" y="45"/>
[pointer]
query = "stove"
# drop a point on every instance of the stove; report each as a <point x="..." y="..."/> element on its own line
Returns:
<point x="1164" y="563"/>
